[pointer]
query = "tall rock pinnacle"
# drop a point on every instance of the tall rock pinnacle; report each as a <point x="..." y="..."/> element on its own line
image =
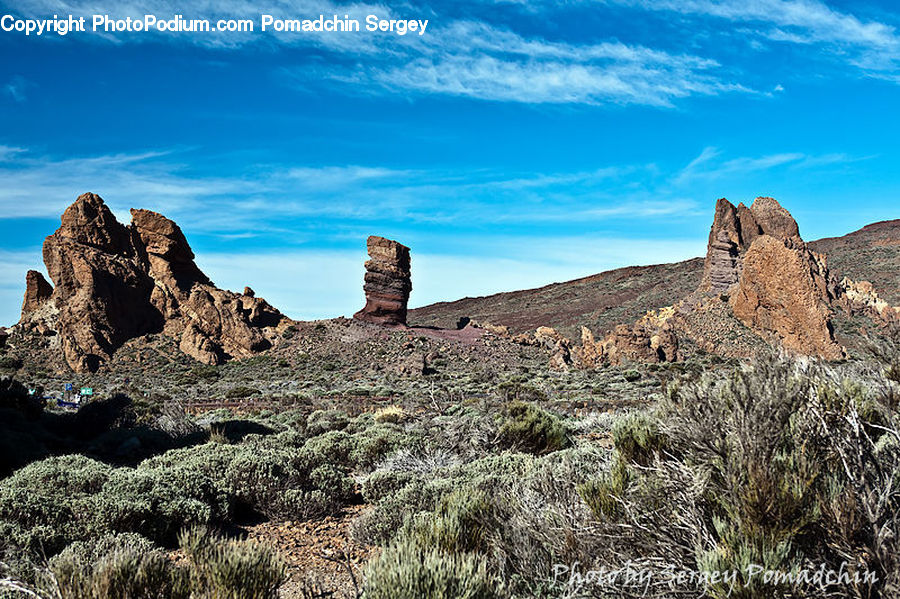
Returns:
<point x="387" y="282"/>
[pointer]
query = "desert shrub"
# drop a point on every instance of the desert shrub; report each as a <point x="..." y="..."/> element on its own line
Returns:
<point x="48" y="504"/>
<point x="605" y="494"/>
<point x="529" y="428"/>
<point x="391" y="415"/>
<point x="420" y="495"/>
<point x="520" y="391"/>
<point x="241" y="392"/>
<point x="383" y="483"/>
<point x="117" y="567"/>
<point x="323" y="421"/>
<point x="405" y="571"/>
<point x="776" y="465"/>
<point x="458" y="525"/>
<point x="636" y="437"/>
<point x="464" y="431"/>
<point x="228" y="569"/>
<point x="631" y="375"/>
<point x="157" y="503"/>
<point x="375" y="443"/>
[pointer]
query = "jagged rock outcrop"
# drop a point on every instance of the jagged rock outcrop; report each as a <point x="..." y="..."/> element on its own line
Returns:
<point x="860" y="297"/>
<point x="558" y="346"/>
<point x="387" y="282"/>
<point x="4" y="336"/>
<point x="773" y="283"/>
<point x="733" y="230"/>
<point x="650" y="339"/>
<point x="114" y="283"/>
<point x="37" y="292"/>
<point x="783" y="294"/>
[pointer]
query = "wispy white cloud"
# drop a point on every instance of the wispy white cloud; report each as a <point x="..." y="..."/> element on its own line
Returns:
<point x="476" y="60"/>
<point x="17" y="89"/>
<point x="709" y="164"/>
<point x="464" y="58"/>
<point x="871" y="45"/>
<point x="264" y="200"/>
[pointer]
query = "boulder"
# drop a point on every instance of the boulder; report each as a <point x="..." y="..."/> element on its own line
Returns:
<point x="388" y="282"/>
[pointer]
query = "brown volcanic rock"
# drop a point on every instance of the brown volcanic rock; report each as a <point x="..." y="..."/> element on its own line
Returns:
<point x="37" y="292"/>
<point x="387" y="282"/>
<point x="115" y="283"/>
<point x="733" y="230"/>
<point x="784" y="293"/>
<point x="101" y="291"/>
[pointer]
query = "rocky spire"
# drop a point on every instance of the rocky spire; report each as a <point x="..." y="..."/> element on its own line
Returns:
<point x="733" y="230"/>
<point x="37" y="292"/>
<point x="387" y="282"/>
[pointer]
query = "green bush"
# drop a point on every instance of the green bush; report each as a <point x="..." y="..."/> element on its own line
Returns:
<point x="637" y="437"/>
<point x="605" y="495"/>
<point x="241" y="392"/>
<point x="532" y="429"/>
<point x="458" y="525"/>
<point x="118" y="567"/>
<point x="48" y="504"/>
<point x="226" y="569"/>
<point x="130" y="567"/>
<point x="323" y="421"/>
<point x="404" y="570"/>
<point x="631" y="375"/>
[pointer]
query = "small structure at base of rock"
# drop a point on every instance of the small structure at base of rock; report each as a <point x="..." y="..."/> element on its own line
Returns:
<point x="388" y="282"/>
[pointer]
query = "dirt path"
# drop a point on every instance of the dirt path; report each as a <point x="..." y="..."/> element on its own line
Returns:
<point x="314" y="550"/>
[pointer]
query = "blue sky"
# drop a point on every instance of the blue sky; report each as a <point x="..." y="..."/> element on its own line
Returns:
<point x="512" y="145"/>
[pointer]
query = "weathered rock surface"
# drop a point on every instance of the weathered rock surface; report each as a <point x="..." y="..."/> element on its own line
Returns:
<point x="783" y="293"/>
<point x="775" y="286"/>
<point x="650" y="339"/>
<point x="387" y="282"/>
<point x="861" y="297"/>
<point x="4" y="336"/>
<point x="733" y="230"/>
<point x="114" y="283"/>
<point x="37" y="292"/>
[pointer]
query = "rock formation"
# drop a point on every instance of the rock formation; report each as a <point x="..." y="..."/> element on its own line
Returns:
<point x="387" y="282"/>
<point x="773" y="283"/>
<point x="650" y="339"/>
<point x="558" y="346"/>
<point x="114" y="283"/>
<point x="37" y="292"/>
<point x="733" y="230"/>
<point x="4" y="336"/>
<point x="783" y="294"/>
<point x="861" y="297"/>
